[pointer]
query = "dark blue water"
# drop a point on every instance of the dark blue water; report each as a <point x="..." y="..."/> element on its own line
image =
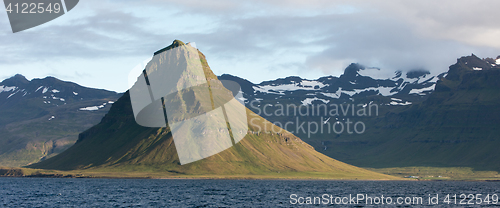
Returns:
<point x="48" y="192"/>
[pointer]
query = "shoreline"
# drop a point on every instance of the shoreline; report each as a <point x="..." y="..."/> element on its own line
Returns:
<point x="257" y="178"/>
<point x="8" y="172"/>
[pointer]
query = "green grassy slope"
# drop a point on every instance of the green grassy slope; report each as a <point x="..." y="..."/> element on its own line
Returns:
<point x="119" y="144"/>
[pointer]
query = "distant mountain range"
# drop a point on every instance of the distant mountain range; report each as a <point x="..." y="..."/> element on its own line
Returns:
<point x="42" y="117"/>
<point x="357" y="82"/>
<point x="445" y="120"/>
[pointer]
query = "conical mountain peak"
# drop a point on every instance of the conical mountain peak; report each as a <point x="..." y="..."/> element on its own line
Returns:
<point x="174" y="44"/>
<point x="120" y="142"/>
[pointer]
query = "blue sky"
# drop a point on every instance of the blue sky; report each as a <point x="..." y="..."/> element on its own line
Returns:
<point x="98" y="42"/>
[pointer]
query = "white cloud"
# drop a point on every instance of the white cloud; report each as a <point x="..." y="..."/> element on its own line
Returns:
<point x="258" y="40"/>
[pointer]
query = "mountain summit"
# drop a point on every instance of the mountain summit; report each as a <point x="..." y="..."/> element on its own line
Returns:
<point x="16" y="80"/>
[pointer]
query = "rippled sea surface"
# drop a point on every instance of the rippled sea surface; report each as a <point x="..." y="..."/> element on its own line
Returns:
<point x="56" y="192"/>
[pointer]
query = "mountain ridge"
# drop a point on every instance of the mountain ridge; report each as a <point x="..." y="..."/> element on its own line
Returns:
<point x="37" y="117"/>
<point x="419" y="114"/>
<point x="355" y="82"/>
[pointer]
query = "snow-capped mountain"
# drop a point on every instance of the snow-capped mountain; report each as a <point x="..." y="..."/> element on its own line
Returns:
<point x="445" y="120"/>
<point x="358" y="83"/>
<point x="43" y="116"/>
<point x="52" y="92"/>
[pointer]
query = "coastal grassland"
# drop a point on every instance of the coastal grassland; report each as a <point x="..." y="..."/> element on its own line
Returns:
<point x="145" y="174"/>
<point x="440" y="173"/>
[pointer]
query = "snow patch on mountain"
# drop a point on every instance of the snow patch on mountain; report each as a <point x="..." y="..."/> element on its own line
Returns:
<point x="477" y="68"/>
<point x="373" y="73"/>
<point x="12" y="94"/>
<point x="259" y="89"/>
<point x="45" y="90"/>
<point x="384" y="91"/>
<point x="497" y="61"/>
<point x="308" y="101"/>
<point x="332" y="95"/>
<point x="93" y="108"/>
<point x="38" y="88"/>
<point x="348" y="92"/>
<point x="432" y="79"/>
<point x="7" y="89"/>
<point x="312" y="84"/>
<point x="55" y="98"/>
<point x="418" y="80"/>
<point x="435" y="79"/>
<point x="55" y="91"/>
<point x="414" y="80"/>
<point x="279" y="89"/>
<point x="398" y="103"/>
<point x="420" y="91"/>
<point x="242" y="99"/>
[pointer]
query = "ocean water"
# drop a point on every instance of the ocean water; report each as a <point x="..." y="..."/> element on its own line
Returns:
<point x="62" y="192"/>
